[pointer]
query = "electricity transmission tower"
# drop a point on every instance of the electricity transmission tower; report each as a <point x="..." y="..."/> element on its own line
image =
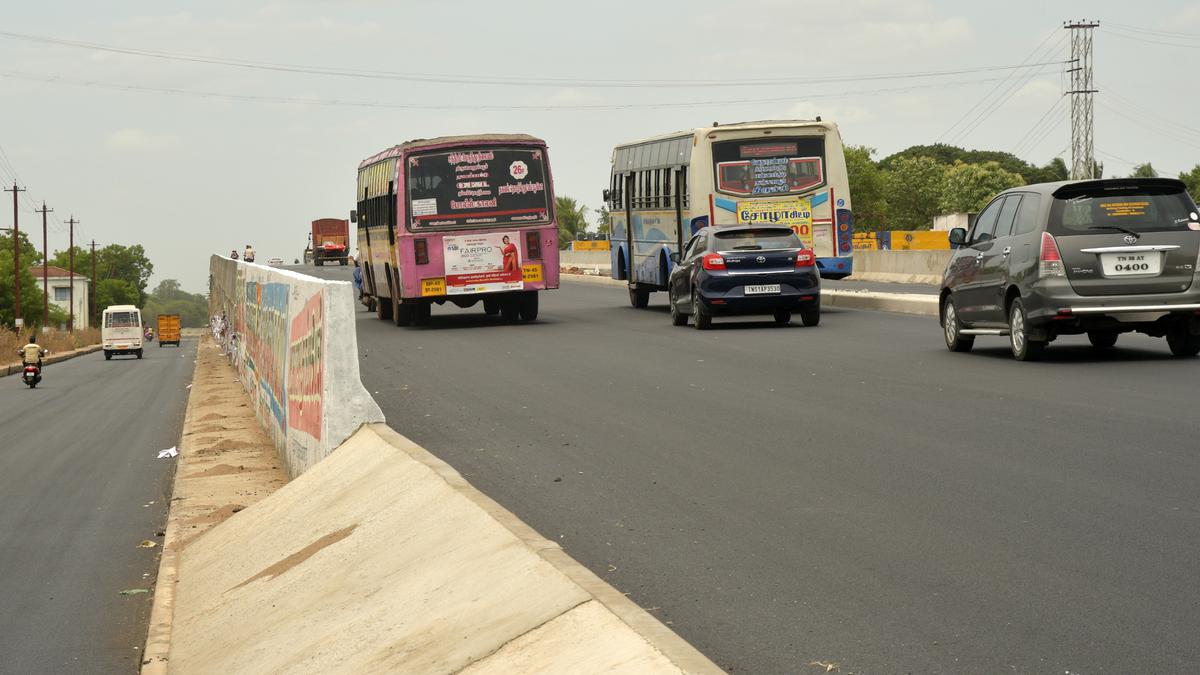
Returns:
<point x="1083" y="144"/>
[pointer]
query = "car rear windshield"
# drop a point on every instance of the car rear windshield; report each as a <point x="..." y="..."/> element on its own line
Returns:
<point x="1136" y="208"/>
<point x="757" y="239"/>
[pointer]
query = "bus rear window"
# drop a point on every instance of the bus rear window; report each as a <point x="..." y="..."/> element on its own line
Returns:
<point x="762" y="168"/>
<point x="477" y="187"/>
<point x="121" y="320"/>
<point x="1116" y="208"/>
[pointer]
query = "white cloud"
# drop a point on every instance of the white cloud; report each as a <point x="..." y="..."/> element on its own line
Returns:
<point x="139" y="140"/>
<point x="898" y="36"/>
<point x="842" y="114"/>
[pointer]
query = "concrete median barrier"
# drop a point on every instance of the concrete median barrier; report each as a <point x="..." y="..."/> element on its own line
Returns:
<point x="293" y="341"/>
<point x="905" y="267"/>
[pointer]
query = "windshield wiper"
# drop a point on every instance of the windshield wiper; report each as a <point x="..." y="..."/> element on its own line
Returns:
<point x="1114" y="227"/>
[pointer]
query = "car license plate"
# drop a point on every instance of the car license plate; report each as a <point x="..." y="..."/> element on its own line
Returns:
<point x="1148" y="263"/>
<point x="763" y="289"/>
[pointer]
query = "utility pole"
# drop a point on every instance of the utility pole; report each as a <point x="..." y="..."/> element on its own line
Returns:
<point x="1083" y="146"/>
<point x="71" y="222"/>
<point x="92" y="293"/>
<point x="45" y="265"/>
<point x="16" y="233"/>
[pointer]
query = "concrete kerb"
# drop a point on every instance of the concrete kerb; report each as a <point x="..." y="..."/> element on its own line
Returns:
<point x="15" y="368"/>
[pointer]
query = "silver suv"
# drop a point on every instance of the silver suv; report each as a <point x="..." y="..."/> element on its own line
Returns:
<point x="1101" y="257"/>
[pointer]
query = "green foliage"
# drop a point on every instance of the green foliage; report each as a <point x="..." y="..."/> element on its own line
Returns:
<point x="1192" y="180"/>
<point x="1144" y="171"/>
<point x="867" y="186"/>
<point x="127" y="263"/>
<point x="969" y="187"/>
<point x="572" y="219"/>
<point x="116" y="292"/>
<point x="913" y="190"/>
<point x="31" y="288"/>
<point x="169" y="298"/>
<point x="604" y="219"/>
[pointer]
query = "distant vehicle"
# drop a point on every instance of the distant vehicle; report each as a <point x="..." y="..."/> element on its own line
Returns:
<point x="121" y="331"/>
<point x="1101" y="257"/>
<point x="471" y="220"/>
<point x="744" y="270"/>
<point x="276" y="261"/>
<point x="168" y="329"/>
<point x="777" y="172"/>
<point x="330" y="241"/>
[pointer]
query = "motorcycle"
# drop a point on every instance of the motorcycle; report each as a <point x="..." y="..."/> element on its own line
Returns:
<point x="31" y="374"/>
<point x="149" y="336"/>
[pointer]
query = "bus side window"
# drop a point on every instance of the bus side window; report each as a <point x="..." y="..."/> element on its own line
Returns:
<point x="390" y="207"/>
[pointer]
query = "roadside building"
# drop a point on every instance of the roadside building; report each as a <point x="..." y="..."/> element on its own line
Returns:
<point x="59" y="282"/>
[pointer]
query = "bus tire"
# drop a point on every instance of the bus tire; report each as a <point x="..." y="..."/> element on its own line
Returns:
<point x="318" y="262"/>
<point x="529" y="306"/>
<point x="639" y="298"/>
<point x="383" y="308"/>
<point x="491" y="306"/>
<point x="510" y="309"/>
<point x="139" y="353"/>
<point x="402" y="314"/>
<point x="422" y="313"/>
<point x="107" y="355"/>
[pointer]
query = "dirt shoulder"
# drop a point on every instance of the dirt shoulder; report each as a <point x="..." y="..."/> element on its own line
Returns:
<point x="225" y="464"/>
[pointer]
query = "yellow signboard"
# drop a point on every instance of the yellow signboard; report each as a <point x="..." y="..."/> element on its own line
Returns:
<point x="435" y="286"/>
<point x="598" y="245"/>
<point x="794" y="213"/>
<point x="531" y="272"/>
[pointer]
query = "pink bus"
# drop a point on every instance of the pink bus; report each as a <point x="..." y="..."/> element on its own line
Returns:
<point x="459" y="219"/>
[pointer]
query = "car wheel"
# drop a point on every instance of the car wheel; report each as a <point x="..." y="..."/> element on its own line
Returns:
<point x="510" y="310"/>
<point x="783" y="317"/>
<point x="528" y="306"/>
<point x="639" y="298"/>
<point x="1181" y="341"/>
<point x="1102" y="340"/>
<point x="1023" y="349"/>
<point x="952" y="328"/>
<point x="810" y="316"/>
<point x="701" y="319"/>
<point x="677" y="318"/>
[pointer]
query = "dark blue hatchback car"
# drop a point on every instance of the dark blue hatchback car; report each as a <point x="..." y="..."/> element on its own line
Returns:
<point x="752" y="269"/>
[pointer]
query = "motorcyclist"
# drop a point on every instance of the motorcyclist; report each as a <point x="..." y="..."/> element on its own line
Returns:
<point x="149" y="334"/>
<point x="248" y="254"/>
<point x="233" y="255"/>
<point x="32" y="353"/>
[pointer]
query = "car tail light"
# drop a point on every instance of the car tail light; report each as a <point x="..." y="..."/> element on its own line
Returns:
<point x="806" y="258"/>
<point x="421" y="251"/>
<point x="1050" y="261"/>
<point x="712" y="261"/>
<point x="533" y="244"/>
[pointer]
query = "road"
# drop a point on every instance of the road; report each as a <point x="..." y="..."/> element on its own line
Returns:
<point x="80" y="488"/>
<point x="852" y="493"/>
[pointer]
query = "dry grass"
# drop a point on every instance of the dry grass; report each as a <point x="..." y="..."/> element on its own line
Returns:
<point x="55" y="340"/>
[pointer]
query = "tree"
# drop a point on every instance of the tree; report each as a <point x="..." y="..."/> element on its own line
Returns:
<point x="116" y="292"/>
<point x="31" y="287"/>
<point x="913" y="190"/>
<point x="1144" y="171"/>
<point x="114" y="261"/>
<point x="867" y="186"/>
<point x="969" y="187"/>
<point x="572" y="219"/>
<point x="169" y="298"/>
<point x="1192" y="180"/>
<point x="604" y="218"/>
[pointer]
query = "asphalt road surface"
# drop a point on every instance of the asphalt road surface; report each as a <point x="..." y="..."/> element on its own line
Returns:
<point x="80" y="488"/>
<point x="851" y="494"/>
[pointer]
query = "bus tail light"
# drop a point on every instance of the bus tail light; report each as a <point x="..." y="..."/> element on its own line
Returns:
<point x="421" y="251"/>
<point x="712" y="261"/>
<point x="806" y="258"/>
<point x="533" y="244"/>
<point x="1050" y="260"/>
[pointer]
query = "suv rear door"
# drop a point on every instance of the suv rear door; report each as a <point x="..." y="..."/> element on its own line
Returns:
<point x="1126" y="236"/>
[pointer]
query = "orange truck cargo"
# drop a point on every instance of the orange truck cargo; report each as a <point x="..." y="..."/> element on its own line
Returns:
<point x="168" y="329"/>
<point x="330" y="241"/>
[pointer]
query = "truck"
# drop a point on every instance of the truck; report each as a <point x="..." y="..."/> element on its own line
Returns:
<point x="168" y="329"/>
<point x="330" y="241"/>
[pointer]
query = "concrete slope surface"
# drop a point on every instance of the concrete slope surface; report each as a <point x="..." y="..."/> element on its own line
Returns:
<point x="373" y="561"/>
<point x="80" y="488"/>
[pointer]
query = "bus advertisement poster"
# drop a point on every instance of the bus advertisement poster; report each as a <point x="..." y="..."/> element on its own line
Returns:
<point x="794" y="213"/>
<point x="482" y="263"/>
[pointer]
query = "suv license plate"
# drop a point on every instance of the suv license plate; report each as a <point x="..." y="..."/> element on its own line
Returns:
<point x="764" y="289"/>
<point x="1131" y="264"/>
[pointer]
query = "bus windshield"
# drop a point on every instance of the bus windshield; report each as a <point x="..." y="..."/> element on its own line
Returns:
<point x="763" y="168"/>
<point x="475" y="187"/>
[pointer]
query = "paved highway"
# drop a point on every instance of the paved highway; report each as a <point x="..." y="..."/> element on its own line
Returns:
<point x="78" y="468"/>
<point x="852" y="493"/>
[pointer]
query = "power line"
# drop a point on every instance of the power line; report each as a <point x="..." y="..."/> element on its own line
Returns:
<point x="1146" y="40"/>
<point x="1130" y="105"/>
<point x="460" y="79"/>
<point x="1036" y="129"/>
<point x="1174" y="35"/>
<point x="1143" y="123"/>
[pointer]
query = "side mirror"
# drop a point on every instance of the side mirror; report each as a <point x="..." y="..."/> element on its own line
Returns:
<point x="958" y="237"/>
<point x="607" y="193"/>
<point x="676" y="257"/>
<point x="353" y="216"/>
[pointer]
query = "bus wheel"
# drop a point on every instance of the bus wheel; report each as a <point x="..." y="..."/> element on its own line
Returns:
<point x="510" y="309"/>
<point x="529" y="306"/>
<point x="402" y="314"/>
<point x="422" y="313"/>
<point x="383" y="308"/>
<point x="639" y="298"/>
<point x="491" y="306"/>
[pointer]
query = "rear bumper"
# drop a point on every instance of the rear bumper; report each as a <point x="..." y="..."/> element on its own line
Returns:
<point x="836" y="267"/>
<point x="1054" y="304"/>
<point x="726" y="294"/>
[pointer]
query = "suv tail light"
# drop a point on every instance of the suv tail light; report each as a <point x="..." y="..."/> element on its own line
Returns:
<point x="712" y="261"/>
<point x="806" y="258"/>
<point x="1050" y="261"/>
<point x="533" y="245"/>
<point x="421" y="251"/>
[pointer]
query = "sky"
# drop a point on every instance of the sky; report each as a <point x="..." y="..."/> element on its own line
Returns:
<point x="190" y="158"/>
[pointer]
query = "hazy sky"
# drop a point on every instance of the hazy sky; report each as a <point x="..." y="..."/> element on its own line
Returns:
<point x="221" y="161"/>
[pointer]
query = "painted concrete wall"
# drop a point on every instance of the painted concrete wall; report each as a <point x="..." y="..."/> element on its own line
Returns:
<point x="918" y="267"/>
<point x="292" y="339"/>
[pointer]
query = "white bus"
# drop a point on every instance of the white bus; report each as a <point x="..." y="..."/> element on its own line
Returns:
<point x="121" y="331"/>
<point x="788" y="172"/>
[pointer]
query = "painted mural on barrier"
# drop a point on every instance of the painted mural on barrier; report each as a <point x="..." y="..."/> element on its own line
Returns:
<point x="265" y="337"/>
<point x="306" y="370"/>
